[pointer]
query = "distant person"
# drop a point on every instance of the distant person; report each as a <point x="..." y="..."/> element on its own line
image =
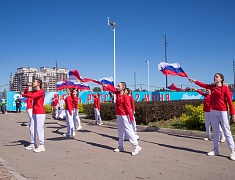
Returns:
<point x="98" y="120"/>
<point x="54" y="107"/>
<point x="124" y="119"/>
<point x="18" y="104"/>
<point x="76" y="119"/>
<point x="206" y="109"/>
<point x="220" y="97"/>
<point x="39" y="114"/>
<point x="3" y="105"/>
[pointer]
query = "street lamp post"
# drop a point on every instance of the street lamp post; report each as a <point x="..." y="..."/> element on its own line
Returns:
<point x="113" y="28"/>
<point x="148" y="73"/>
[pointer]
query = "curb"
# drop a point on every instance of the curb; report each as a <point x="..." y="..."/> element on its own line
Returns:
<point x="141" y="128"/>
<point x="11" y="170"/>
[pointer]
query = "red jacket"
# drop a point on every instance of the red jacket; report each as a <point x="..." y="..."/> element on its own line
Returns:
<point x="207" y="106"/>
<point x="220" y="97"/>
<point x="123" y="105"/>
<point x="75" y="102"/>
<point x="54" y="102"/>
<point x="132" y="103"/>
<point x="38" y="101"/>
<point x="69" y="104"/>
<point x="97" y="103"/>
<point x="28" y="101"/>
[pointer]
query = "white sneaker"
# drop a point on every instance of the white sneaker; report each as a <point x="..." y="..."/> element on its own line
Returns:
<point x="214" y="152"/>
<point x="80" y="127"/>
<point x="30" y="147"/>
<point x="232" y="156"/>
<point x="66" y="134"/>
<point x="72" y="134"/>
<point x="119" y="149"/>
<point x="137" y="137"/>
<point x="223" y="139"/>
<point x="137" y="150"/>
<point x="40" y="148"/>
<point x="100" y="124"/>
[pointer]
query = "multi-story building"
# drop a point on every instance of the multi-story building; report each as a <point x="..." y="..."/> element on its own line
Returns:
<point x="49" y="77"/>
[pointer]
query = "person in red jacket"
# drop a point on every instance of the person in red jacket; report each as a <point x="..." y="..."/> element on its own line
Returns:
<point x="54" y="107"/>
<point x="124" y="118"/>
<point x="132" y="103"/>
<point x="97" y="109"/>
<point x="29" y="105"/>
<point x="220" y="97"/>
<point x="39" y="114"/>
<point x="69" y="114"/>
<point x="206" y="109"/>
<point x="76" y="118"/>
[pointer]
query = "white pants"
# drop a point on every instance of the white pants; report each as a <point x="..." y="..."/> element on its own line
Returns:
<point x="69" y="122"/>
<point x="222" y="117"/>
<point x="30" y="114"/>
<point x="76" y="118"/>
<point x="125" y="127"/>
<point x="208" y="125"/>
<point x="97" y="116"/>
<point x="37" y="127"/>
<point x="133" y="126"/>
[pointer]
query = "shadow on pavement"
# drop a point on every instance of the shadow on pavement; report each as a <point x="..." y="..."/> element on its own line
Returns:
<point x="184" y="136"/>
<point x="18" y="143"/>
<point x="108" y="136"/>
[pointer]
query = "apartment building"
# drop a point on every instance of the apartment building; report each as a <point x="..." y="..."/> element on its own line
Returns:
<point x="49" y="77"/>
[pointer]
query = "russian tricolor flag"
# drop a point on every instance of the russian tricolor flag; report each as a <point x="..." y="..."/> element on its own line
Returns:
<point x="107" y="81"/>
<point x="173" y="69"/>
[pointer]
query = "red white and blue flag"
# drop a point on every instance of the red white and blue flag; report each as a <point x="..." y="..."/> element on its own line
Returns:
<point x="173" y="69"/>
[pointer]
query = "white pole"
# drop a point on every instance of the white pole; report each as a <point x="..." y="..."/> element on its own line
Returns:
<point x="148" y="72"/>
<point x="148" y="76"/>
<point x="114" y="57"/>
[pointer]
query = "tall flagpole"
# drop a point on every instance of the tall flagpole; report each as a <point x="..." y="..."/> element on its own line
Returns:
<point x="165" y="43"/>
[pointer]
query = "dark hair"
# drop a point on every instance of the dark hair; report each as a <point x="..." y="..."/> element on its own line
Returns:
<point x="40" y="82"/>
<point x="221" y="76"/>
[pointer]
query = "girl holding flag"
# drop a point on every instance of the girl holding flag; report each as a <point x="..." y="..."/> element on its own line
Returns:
<point x="124" y="118"/>
<point x="39" y="114"/>
<point x="220" y="97"/>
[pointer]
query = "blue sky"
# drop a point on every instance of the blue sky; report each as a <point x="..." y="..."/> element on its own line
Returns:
<point x="200" y="36"/>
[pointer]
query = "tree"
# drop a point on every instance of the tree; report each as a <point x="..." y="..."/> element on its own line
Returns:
<point x="96" y="89"/>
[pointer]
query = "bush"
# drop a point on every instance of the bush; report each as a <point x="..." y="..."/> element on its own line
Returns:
<point x="193" y="118"/>
<point x="107" y="111"/>
<point x="81" y="108"/>
<point x="153" y="111"/>
<point x="47" y="108"/>
<point x="146" y="112"/>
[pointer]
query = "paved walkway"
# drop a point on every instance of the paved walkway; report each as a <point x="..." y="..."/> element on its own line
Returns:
<point x="90" y="154"/>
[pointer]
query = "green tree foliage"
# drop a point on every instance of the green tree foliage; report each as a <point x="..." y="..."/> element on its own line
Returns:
<point x="96" y="89"/>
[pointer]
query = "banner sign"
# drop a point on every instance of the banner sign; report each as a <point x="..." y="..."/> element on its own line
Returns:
<point x="85" y="97"/>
